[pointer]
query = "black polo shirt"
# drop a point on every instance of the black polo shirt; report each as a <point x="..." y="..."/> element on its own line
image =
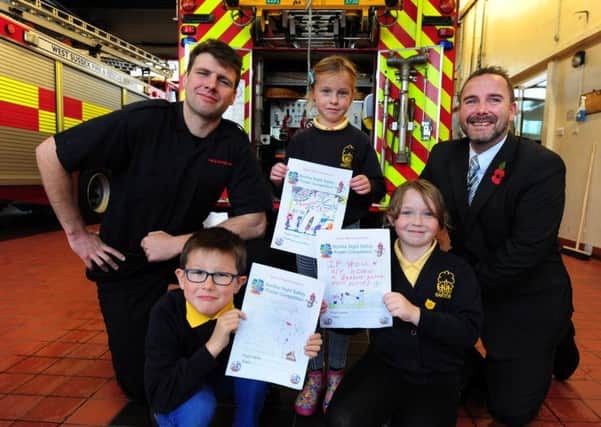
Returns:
<point x="163" y="177"/>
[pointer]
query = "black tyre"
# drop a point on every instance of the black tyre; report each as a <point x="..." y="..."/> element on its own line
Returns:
<point x="94" y="192"/>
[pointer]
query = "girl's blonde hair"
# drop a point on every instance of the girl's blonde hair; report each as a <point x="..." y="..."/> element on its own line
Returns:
<point x="431" y="196"/>
<point x="331" y="64"/>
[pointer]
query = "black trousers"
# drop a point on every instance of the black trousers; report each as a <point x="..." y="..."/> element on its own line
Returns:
<point x="125" y="306"/>
<point x="373" y="393"/>
<point x="517" y="387"/>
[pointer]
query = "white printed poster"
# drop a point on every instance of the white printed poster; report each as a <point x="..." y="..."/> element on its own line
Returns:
<point x="313" y="198"/>
<point x="355" y="267"/>
<point x="281" y="310"/>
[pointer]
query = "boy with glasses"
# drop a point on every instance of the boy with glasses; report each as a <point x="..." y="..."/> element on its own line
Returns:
<point x="188" y="339"/>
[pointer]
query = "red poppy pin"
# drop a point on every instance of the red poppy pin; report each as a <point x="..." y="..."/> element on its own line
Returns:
<point x="498" y="174"/>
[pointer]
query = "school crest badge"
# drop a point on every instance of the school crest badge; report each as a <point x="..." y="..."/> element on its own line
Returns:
<point x="445" y="282"/>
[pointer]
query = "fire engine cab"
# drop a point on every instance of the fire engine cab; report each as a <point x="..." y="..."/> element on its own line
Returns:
<point x="57" y="71"/>
<point x="404" y="50"/>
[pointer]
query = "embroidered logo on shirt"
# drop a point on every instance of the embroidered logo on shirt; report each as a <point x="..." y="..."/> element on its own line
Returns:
<point x="444" y="284"/>
<point x="219" y="162"/>
<point x="348" y="153"/>
<point x="429" y="304"/>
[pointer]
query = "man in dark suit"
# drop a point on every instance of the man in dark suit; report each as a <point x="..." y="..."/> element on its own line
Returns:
<point x="506" y="197"/>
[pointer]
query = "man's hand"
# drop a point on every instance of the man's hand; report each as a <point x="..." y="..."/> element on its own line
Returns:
<point x="400" y="307"/>
<point x="278" y="173"/>
<point x="313" y="345"/>
<point x="227" y="323"/>
<point x="360" y="184"/>
<point x="93" y="251"/>
<point x="161" y="246"/>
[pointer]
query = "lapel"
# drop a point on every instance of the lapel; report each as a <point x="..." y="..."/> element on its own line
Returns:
<point x="487" y="187"/>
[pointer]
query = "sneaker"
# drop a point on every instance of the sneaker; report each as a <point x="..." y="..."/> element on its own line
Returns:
<point x="334" y="378"/>
<point x="307" y="400"/>
<point x="567" y="356"/>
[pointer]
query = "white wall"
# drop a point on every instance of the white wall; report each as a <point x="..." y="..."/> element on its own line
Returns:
<point x="530" y="37"/>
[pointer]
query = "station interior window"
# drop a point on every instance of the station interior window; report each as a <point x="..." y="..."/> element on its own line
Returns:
<point x="531" y="106"/>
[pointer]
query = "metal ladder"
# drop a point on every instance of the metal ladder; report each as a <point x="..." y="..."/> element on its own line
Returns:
<point x="49" y="17"/>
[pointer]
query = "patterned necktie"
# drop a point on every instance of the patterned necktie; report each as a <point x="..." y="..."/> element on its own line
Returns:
<point x="472" y="178"/>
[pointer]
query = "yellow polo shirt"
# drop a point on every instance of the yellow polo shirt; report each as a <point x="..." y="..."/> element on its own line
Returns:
<point x="195" y="318"/>
<point x="412" y="269"/>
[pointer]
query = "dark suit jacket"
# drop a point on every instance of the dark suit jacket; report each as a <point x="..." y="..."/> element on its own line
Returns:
<point x="509" y="235"/>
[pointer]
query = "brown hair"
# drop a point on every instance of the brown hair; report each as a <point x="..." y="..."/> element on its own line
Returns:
<point x="495" y="70"/>
<point x="223" y="53"/>
<point x="216" y="239"/>
<point x="431" y="196"/>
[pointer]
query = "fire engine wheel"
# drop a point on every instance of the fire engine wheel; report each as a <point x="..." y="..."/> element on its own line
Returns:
<point x="94" y="193"/>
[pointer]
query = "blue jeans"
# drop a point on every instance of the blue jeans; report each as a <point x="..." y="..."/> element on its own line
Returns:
<point x="337" y="343"/>
<point x="198" y="411"/>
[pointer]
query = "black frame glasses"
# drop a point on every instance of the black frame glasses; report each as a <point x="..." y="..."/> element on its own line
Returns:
<point x="220" y="278"/>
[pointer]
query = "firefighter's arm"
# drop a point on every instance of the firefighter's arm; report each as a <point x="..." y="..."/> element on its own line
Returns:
<point x="161" y="246"/>
<point x="247" y="226"/>
<point x="58" y="184"/>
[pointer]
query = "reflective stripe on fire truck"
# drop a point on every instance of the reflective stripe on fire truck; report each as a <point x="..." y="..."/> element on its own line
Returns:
<point x="25" y="106"/>
<point x="434" y="101"/>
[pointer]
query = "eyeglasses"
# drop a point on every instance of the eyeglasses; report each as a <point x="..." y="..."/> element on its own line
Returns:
<point x="220" y="278"/>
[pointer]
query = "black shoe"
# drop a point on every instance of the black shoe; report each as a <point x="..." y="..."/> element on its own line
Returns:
<point x="566" y="356"/>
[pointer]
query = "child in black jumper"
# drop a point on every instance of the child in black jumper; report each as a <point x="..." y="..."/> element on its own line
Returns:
<point x="333" y="141"/>
<point x="411" y="373"/>
<point x="188" y="339"/>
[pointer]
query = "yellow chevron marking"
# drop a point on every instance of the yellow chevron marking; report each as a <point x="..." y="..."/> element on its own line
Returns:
<point x="218" y="28"/>
<point x="46" y="122"/>
<point x="407" y="24"/>
<point x="393" y="175"/>
<point x="416" y="163"/>
<point x="429" y="8"/>
<point x="443" y="132"/>
<point x="445" y="101"/>
<point x="419" y="23"/>
<point x="388" y="38"/>
<point x="241" y="38"/>
<point x="207" y="6"/>
<point x="425" y="104"/>
<point x="447" y="65"/>
<point x="182" y="65"/>
<point x="19" y="93"/>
